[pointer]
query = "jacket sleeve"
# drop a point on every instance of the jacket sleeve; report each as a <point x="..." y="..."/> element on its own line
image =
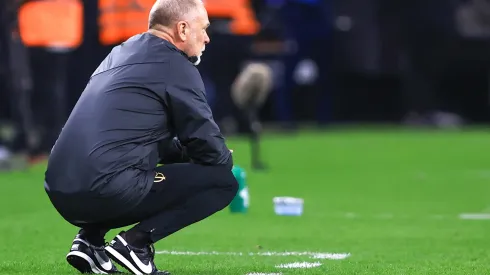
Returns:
<point x="193" y="121"/>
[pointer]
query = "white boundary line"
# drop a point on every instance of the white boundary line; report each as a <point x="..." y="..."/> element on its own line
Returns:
<point x="314" y="255"/>
<point x="299" y="265"/>
<point x="475" y="216"/>
<point x="484" y="215"/>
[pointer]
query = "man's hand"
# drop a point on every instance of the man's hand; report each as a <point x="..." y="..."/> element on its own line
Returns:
<point x="171" y="151"/>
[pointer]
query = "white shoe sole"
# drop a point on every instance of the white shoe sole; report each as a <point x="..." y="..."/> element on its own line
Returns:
<point x="83" y="262"/>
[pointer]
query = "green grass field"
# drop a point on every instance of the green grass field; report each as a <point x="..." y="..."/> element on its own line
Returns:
<point x="392" y="199"/>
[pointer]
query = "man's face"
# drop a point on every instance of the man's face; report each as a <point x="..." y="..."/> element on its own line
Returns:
<point x="196" y="36"/>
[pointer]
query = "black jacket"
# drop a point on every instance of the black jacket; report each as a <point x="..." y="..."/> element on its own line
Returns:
<point x="143" y="95"/>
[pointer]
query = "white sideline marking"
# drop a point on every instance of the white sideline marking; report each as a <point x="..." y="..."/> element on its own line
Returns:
<point x="299" y="265"/>
<point x="330" y="256"/>
<point x="314" y="255"/>
<point x="485" y="215"/>
<point x="474" y="216"/>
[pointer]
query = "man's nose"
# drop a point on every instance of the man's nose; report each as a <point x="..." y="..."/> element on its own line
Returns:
<point x="206" y="39"/>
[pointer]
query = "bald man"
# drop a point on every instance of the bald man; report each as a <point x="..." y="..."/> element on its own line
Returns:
<point x="144" y="105"/>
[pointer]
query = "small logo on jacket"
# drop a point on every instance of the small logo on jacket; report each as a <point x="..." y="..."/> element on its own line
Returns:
<point x="159" y="177"/>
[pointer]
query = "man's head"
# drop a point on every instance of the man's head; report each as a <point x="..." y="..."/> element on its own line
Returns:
<point x="183" y="23"/>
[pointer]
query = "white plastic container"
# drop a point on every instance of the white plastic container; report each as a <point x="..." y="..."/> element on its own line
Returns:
<point x="288" y="206"/>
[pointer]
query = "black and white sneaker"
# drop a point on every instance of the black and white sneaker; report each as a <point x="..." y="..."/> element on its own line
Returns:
<point x="88" y="258"/>
<point x="138" y="261"/>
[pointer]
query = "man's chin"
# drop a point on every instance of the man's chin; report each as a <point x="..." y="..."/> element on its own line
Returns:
<point x="196" y="60"/>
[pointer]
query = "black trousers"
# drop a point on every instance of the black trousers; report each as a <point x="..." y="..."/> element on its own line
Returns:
<point x="181" y="195"/>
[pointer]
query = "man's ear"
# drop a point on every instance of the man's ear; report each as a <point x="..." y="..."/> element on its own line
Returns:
<point x="182" y="29"/>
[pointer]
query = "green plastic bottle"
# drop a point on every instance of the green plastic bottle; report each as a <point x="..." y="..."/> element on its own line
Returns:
<point x="241" y="202"/>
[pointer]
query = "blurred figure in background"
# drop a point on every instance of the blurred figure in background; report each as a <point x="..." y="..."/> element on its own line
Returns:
<point x="4" y="151"/>
<point x="306" y="24"/>
<point x="473" y="19"/>
<point x="425" y="30"/>
<point x="16" y="85"/>
<point x="4" y="95"/>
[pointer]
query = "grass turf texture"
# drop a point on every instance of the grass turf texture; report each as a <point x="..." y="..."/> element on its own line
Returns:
<point x="390" y="198"/>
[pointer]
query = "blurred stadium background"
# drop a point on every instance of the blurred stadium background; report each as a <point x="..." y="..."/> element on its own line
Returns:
<point x="377" y="117"/>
